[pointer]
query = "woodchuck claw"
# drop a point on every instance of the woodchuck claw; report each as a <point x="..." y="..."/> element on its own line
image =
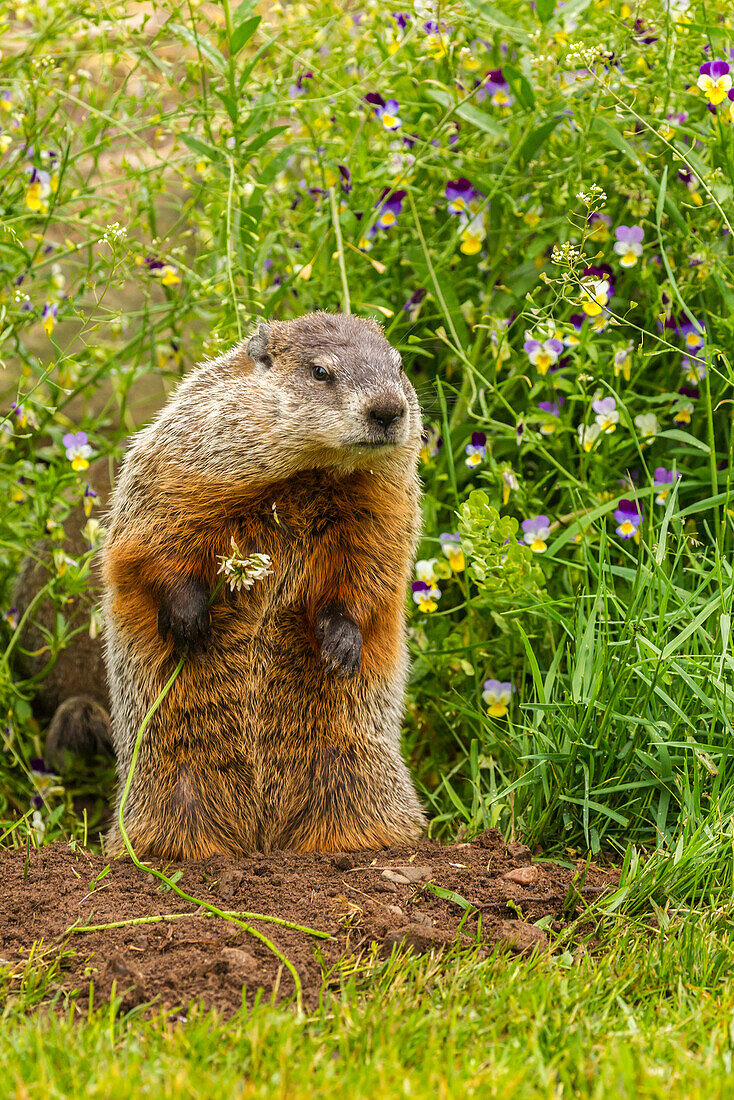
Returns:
<point x="341" y="641"/>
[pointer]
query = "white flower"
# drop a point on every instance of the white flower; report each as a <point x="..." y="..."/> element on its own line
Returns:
<point x="426" y="570"/>
<point x="243" y="572"/>
<point x="113" y="234"/>
<point x="648" y="424"/>
<point x="588" y="435"/>
<point x="607" y="416"/>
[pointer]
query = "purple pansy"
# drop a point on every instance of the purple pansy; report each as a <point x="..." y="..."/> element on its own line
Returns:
<point x="553" y="409"/>
<point x="543" y="355"/>
<point x="663" y="480"/>
<point x="603" y="273"/>
<point x="77" y="449"/>
<point x="628" y="245"/>
<point x="391" y="205"/>
<point x="495" y="88"/>
<point x="48" y="319"/>
<point x="629" y="518"/>
<point x="693" y="334"/>
<point x="607" y="416"/>
<point x="299" y="89"/>
<point x="431" y="443"/>
<point x="387" y="110"/>
<point x="415" y="299"/>
<point x="425" y="595"/>
<point x="714" y="78"/>
<point x="477" y="449"/>
<point x="460" y="194"/>
<point x="497" y="695"/>
<point x="535" y="532"/>
<point x="346" y="176"/>
<point x="693" y="370"/>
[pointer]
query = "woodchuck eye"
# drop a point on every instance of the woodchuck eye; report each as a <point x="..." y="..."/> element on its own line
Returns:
<point x="321" y="374"/>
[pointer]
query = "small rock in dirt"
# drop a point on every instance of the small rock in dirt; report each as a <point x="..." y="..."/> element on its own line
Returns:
<point x="129" y="982"/>
<point x="395" y="910"/>
<point x="342" y="862"/>
<point x="229" y="883"/>
<point x="490" y="838"/>
<point x="237" y="959"/>
<point x="396" y="876"/>
<point x="518" y="937"/>
<point x="413" y="873"/>
<point x="385" y="887"/>
<point x="419" y="917"/>
<point x="525" y="876"/>
<point x="119" y="967"/>
<point x="519" y="851"/>
<point x="419" y="937"/>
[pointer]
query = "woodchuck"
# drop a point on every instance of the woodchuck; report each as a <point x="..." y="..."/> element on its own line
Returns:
<point x="283" y="727"/>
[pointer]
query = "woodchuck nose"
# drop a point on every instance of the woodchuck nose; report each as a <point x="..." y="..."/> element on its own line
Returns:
<point x="283" y="727"/>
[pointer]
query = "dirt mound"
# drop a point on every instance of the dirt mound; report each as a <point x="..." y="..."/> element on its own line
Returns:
<point x="415" y="895"/>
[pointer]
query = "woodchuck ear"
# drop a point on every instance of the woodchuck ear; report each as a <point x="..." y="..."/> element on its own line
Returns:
<point x="257" y="346"/>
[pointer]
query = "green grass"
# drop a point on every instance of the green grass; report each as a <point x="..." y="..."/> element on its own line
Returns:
<point x="641" y="1014"/>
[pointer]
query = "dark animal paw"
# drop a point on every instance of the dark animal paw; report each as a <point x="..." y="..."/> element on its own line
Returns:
<point x="341" y="642"/>
<point x="184" y="613"/>
<point x="80" y="727"/>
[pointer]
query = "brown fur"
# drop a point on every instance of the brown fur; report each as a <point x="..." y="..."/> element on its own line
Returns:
<point x="260" y="744"/>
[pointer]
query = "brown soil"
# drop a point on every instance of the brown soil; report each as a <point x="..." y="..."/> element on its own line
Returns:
<point x="360" y="899"/>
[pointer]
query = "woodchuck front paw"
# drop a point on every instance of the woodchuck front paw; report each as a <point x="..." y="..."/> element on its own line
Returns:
<point x="341" y="641"/>
<point x="184" y="613"/>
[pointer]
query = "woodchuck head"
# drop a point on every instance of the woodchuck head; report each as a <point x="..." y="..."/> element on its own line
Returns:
<point x="342" y="392"/>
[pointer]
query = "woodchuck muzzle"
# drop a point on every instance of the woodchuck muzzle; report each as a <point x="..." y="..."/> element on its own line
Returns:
<point x="283" y="727"/>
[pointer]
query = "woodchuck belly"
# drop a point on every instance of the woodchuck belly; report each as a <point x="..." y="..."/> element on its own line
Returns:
<point x="259" y="746"/>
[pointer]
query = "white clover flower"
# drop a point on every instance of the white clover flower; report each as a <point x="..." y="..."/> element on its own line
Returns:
<point x="243" y="572"/>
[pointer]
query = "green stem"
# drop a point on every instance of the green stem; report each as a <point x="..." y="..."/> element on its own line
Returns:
<point x="346" y="304"/>
<point x="177" y="916"/>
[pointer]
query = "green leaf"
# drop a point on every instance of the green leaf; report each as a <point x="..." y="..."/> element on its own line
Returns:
<point x="230" y="105"/>
<point x="480" y="119"/>
<point x="203" y="150"/>
<point x="595" y="806"/>
<point x="243" y="34"/>
<point x="684" y="437"/>
<point x="537" y="138"/>
<point x="201" y="44"/>
<point x="497" y="19"/>
<point x="520" y="85"/>
<point x="545" y="9"/>
<point x="449" y="895"/>
<point x="243" y="11"/>
<point x="263" y="139"/>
